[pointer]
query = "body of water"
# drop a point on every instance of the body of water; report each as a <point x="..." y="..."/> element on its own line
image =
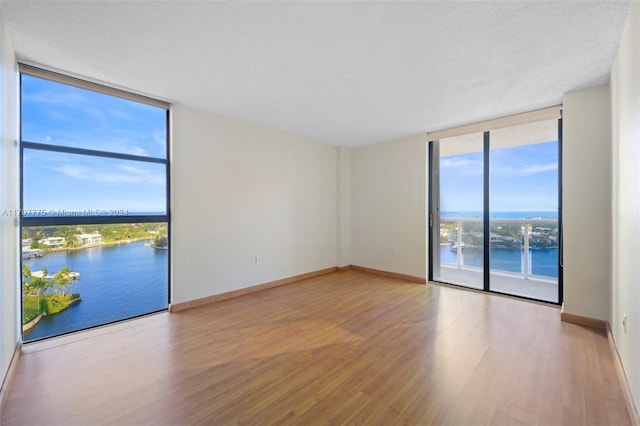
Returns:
<point x="543" y="262"/>
<point x="116" y="282"/>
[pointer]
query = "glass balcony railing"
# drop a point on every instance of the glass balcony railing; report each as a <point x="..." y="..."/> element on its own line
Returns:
<point x="524" y="247"/>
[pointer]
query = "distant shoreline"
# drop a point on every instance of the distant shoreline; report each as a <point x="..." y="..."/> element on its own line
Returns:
<point x="88" y="246"/>
<point x="526" y="215"/>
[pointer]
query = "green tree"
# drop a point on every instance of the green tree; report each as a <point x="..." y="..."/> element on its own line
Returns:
<point x="62" y="280"/>
<point x="35" y="285"/>
<point x="26" y="271"/>
<point x="26" y="276"/>
<point x="161" y="242"/>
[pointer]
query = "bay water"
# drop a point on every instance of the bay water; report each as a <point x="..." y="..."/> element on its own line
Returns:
<point x="116" y="282"/>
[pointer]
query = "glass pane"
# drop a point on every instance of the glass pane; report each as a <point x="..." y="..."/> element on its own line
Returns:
<point x="460" y="252"/>
<point x="58" y="114"/>
<point x="87" y="275"/>
<point x="61" y="184"/>
<point x="524" y="211"/>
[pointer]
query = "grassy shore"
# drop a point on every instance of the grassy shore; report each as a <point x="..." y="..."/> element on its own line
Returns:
<point x="49" y="304"/>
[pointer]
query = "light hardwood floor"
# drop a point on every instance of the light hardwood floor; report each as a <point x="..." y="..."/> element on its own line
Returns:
<point x="344" y="348"/>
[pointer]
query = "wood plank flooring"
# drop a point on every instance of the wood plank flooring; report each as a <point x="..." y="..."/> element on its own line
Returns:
<point x="344" y="348"/>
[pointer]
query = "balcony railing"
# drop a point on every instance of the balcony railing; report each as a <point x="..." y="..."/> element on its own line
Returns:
<point x="512" y="242"/>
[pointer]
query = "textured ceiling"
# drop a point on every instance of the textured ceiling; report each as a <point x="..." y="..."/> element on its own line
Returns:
<point x="344" y="73"/>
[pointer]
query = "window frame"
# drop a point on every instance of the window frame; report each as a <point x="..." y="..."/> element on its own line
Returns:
<point x="433" y="193"/>
<point x="35" y="220"/>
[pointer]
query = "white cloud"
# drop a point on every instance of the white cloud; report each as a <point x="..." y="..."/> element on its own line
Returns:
<point x="69" y="98"/>
<point x="123" y="174"/>
<point x="119" y="114"/>
<point x="459" y="163"/>
<point x="462" y="166"/>
<point x="160" y="139"/>
<point x="121" y="145"/>
<point x="526" y="170"/>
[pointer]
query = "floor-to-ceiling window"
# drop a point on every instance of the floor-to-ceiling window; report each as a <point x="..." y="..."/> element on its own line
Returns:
<point x="94" y="198"/>
<point x="495" y="208"/>
<point x="460" y="190"/>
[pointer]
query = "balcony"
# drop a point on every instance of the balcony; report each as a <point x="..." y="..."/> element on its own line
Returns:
<point x="523" y="255"/>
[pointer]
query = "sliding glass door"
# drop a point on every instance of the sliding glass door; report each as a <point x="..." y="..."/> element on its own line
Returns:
<point x="495" y="211"/>
<point x="459" y="252"/>
<point x="523" y="243"/>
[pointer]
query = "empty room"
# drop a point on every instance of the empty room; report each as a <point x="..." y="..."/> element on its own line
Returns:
<point x="377" y="213"/>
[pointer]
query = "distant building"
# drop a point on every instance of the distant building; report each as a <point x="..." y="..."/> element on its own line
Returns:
<point x="89" y="239"/>
<point x="28" y="253"/>
<point x="53" y="242"/>
<point x="26" y="242"/>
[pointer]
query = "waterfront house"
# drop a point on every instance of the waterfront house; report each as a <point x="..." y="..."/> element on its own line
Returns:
<point x="29" y="253"/>
<point x="88" y="239"/>
<point x="53" y="242"/>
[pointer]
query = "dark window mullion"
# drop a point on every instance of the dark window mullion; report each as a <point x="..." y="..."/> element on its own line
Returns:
<point x="485" y="216"/>
<point x="560" y="236"/>
<point x="91" y="220"/>
<point x="91" y="152"/>
<point x="168" y="200"/>
<point x="430" y="228"/>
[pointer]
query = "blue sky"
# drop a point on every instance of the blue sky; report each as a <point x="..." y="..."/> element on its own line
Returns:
<point x="58" y="114"/>
<point x="522" y="178"/>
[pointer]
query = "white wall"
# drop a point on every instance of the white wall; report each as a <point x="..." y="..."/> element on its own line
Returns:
<point x="389" y="206"/>
<point x="241" y="191"/>
<point x="9" y="260"/>
<point x="344" y="207"/>
<point x="625" y="296"/>
<point x="586" y="195"/>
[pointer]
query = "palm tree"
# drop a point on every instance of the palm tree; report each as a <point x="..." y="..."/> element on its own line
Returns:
<point x="62" y="279"/>
<point x="26" y="275"/>
<point x="161" y="242"/>
<point x="35" y="285"/>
